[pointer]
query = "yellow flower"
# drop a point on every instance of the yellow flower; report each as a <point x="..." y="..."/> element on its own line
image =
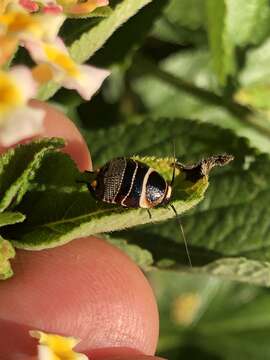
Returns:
<point x="61" y="59"/>
<point x="8" y="45"/>
<point x="10" y="93"/>
<point x="56" y="347"/>
<point x="17" y="120"/>
<point x="3" y="6"/>
<point x="24" y="26"/>
<point x="15" y="22"/>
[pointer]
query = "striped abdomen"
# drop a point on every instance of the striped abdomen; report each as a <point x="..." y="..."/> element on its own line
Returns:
<point x="130" y="183"/>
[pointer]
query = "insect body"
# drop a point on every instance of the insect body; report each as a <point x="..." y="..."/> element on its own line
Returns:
<point x="133" y="184"/>
<point x="130" y="183"/>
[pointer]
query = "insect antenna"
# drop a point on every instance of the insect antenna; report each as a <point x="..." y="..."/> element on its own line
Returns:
<point x="178" y="219"/>
<point x="182" y="232"/>
<point x="174" y="164"/>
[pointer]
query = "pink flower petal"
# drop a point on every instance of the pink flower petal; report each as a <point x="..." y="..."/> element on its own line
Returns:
<point x="24" y="80"/>
<point x="102" y="2"/>
<point x="53" y="9"/>
<point x="89" y="82"/>
<point x="22" y="123"/>
<point x="29" y="5"/>
<point x="35" y="50"/>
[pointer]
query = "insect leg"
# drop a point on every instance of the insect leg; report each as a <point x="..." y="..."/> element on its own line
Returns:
<point x="92" y="191"/>
<point x="149" y="213"/>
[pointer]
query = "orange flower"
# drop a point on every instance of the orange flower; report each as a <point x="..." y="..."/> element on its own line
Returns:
<point x="78" y="7"/>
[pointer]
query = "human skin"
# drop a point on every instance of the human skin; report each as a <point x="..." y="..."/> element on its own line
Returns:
<point x="87" y="288"/>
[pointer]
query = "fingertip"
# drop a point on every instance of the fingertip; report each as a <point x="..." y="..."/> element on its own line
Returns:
<point x="57" y="124"/>
<point x="88" y="289"/>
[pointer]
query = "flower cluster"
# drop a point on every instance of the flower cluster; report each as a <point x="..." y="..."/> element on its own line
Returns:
<point x="34" y="25"/>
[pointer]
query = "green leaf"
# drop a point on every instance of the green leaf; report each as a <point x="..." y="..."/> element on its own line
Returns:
<point x="254" y="79"/>
<point x="7" y="252"/>
<point x="187" y="13"/>
<point x="18" y="167"/>
<point x="254" y="14"/>
<point x="92" y="40"/>
<point x="9" y="218"/>
<point x="128" y="38"/>
<point x="226" y="30"/>
<point x="221" y="44"/>
<point x="241" y="269"/>
<point x="58" y="209"/>
<point x="182" y="22"/>
<point x="256" y="69"/>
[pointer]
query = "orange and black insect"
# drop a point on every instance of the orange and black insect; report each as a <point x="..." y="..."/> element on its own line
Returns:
<point x="130" y="183"/>
<point x="133" y="184"/>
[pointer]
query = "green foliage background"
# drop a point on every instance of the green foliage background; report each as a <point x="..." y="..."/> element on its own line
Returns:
<point x="193" y="71"/>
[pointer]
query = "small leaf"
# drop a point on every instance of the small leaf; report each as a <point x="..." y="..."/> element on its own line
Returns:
<point x="256" y="69"/>
<point x="221" y="44"/>
<point x="242" y="269"/>
<point x="225" y="30"/>
<point x="255" y="14"/>
<point x="6" y="252"/>
<point x="254" y="88"/>
<point x="182" y="22"/>
<point x="18" y="167"/>
<point x="9" y="218"/>
<point x="6" y="249"/>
